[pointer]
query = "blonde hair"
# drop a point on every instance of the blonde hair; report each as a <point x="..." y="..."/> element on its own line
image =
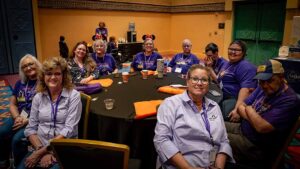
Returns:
<point x="100" y="41"/>
<point x="53" y="63"/>
<point x="22" y="75"/>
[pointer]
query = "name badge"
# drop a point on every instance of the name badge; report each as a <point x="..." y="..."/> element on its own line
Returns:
<point x="221" y="85"/>
<point x="212" y="155"/>
<point x="24" y="114"/>
<point x="178" y="70"/>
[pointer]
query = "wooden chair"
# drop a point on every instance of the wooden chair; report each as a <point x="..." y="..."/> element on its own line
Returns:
<point x="80" y="153"/>
<point x="278" y="163"/>
<point x="84" y="120"/>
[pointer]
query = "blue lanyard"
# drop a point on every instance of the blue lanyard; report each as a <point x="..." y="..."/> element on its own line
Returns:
<point x="206" y="122"/>
<point x="54" y="109"/>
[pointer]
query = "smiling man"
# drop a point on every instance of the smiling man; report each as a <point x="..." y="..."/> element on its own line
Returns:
<point x="266" y="117"/>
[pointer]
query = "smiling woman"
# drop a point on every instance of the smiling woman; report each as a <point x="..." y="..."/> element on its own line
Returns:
<point x="55" y="113"/>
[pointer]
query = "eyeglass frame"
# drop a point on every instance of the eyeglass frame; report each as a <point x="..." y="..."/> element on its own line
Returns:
<point x="196" y="80"/>
<point x="50" y="74"/>
<point x="30" y="64"/>
<point x="233" y="50"/>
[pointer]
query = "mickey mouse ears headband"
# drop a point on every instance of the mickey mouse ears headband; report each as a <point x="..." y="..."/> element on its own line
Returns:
<point x="144" y="37"/>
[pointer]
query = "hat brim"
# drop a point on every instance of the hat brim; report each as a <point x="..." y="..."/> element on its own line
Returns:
<point x="263" y="76"/>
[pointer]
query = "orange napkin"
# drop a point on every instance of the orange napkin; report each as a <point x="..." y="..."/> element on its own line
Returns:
<point x="170" y="90"/>
<point x="104" y="82"/>
<point x="145" y="109"/>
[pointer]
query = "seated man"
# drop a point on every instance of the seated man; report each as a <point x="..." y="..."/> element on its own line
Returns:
<point x="181" y="62"/>
<point x="266" y="117"/>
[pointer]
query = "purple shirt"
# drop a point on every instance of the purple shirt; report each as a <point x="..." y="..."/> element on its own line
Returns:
<point x="141" y="61"/>
<point x="280" y="111"/>
<point x="220" y="63"/>
<point x="180" y="128"/>
<point x="24" y="93"/>
<point x="183" y="62"/>
<point x="68" y="116"/>
<point x="234" y="76"/>
<point x="103" y="32"/>
<point x="106" y="64"/>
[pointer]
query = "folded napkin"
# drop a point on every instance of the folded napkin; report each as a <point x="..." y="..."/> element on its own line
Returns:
<point x="104" y="82"/>
<point x="170" y="90"/>
<point x="146" y="109"/>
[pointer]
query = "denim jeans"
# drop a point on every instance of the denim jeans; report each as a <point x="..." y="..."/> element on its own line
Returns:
<point x="5" y="136"/>
<point x="22" y="164"/>
<point x="19" y="146"/>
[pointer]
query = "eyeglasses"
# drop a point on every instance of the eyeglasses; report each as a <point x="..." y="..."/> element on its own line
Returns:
<point x="196" y="80"/>
<point x="234" y="50"/>
<point x="50" y="74"/>
<point x="30" y="64"/>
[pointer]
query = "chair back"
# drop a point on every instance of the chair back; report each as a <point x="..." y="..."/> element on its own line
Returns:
<point x="84" y="120"/>
<point x="80" y="153"/>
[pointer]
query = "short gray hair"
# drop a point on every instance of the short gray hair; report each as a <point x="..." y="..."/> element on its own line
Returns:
<point x="22" y="75"/>
<point x="100" y="41"/>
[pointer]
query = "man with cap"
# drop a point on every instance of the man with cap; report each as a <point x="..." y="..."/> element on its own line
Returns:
<point x="266" y="117"/>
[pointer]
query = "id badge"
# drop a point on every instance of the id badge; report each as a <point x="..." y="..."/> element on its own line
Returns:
<point x="178" y="70"/>
<point x="212" y="155"/>
<point x="24" y="114"/>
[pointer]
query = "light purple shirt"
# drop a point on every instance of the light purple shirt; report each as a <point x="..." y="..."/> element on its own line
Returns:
<point x="180" y="128"/>
<point x="68" y="116"/>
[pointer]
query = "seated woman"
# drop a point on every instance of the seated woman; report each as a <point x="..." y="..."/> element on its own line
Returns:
<point x="181" y="62"/>
<point x="213" y="61"/>
<point x="148" y="58"/>
<point x="83" y="68"/>
<point x="106" y="64"/>
<point x="55" y="113"/>
<point x="236" y="80"/>
<point x="112" y="45"/>
<point x="19" y="107"/>
<point x="190" y="130"/>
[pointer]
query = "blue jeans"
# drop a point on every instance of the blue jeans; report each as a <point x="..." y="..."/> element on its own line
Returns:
<point x="5" y="135"/>
<point x="22" y="164"/>
<point x="19" y="146"/>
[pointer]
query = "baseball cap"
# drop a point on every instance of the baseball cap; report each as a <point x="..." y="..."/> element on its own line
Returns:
<point x="266" y="71"/>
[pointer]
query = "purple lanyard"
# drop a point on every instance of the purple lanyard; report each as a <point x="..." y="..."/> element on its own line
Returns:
<point x="26" y="94"/>
<point x="206" y="122"/>
<point x="185" y="60"/>
<point x="54" y="109"/>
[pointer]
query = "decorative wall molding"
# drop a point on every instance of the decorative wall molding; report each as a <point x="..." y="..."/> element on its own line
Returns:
<point x="123" y="6"/>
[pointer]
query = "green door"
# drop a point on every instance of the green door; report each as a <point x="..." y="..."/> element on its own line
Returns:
<point x="260" y="24"/>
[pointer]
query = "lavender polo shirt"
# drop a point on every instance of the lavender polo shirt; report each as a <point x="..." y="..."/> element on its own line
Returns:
<point x="68" y="116"/>
<point x="105" y="65"/>
<point x="180" y="128"/>
<point x="283" y="111"/>
<point x="141" y="61"/>
<point x="234" y="76"/>
<point x="183" y="61"/>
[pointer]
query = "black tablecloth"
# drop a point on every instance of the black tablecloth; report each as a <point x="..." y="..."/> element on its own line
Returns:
<point x="118" y="125"/>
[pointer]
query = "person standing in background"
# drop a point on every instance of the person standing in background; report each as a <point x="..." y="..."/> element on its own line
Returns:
<point x="102" y="31"/>
<point x="63" y="47"/>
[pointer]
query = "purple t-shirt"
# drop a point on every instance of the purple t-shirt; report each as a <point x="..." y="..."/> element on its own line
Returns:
<point x="105" y="65"/>
<point x="141" y="61"/>
<point x="220" y="63"/>
<point x="24" y="93"/>
<point x="234" y="76"/>
<point x="280" y="111"/>
<point x="183" y="62"/>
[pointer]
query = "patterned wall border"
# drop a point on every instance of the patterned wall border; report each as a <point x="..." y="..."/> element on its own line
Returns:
<point x="123" y="6"/>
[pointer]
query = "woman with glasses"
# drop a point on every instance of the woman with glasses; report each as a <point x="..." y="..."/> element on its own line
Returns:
<point x="55" y="113"/>
<point x="147" y="59"/>
<point x="106" y="64"/>
<point x="236" y="80"/>
<point x="20" y="105"/>
<point x="181" y="62"/>
<point x="190" y="130"/>
<point x="82" y="67"/>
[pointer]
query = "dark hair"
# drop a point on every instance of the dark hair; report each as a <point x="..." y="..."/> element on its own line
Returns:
<point x="211" y="47"/>
<point x="242" y="44"/>
<point x="61" y="38"/>
<point x="198" y="66"/>
<point x="101" y="23"/>
<point x="112" y="39"/>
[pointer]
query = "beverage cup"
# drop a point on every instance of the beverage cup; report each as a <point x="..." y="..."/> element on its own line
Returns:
<point x="109" y="104"/>
<point x="125" y="76"/>
<point x="160" y="74"/>
<point x="145" y="74"/>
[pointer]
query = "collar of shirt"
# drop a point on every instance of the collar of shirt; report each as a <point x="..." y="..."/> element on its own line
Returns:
<point x="64" y="93"/>
<point x="209" y="104"/>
